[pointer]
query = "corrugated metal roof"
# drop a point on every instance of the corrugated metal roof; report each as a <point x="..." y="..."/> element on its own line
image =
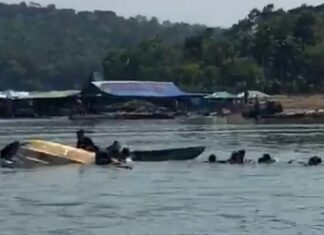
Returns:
<point x="51" y="94"/>
<point x="253" y="94"/>
<point x="140" y="88"/>
<point x="37" y="94"/>
<point x="221" y="95"/>
<point x="10" y="94"/>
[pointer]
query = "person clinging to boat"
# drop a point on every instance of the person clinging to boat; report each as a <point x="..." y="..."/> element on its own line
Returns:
<point x="85" y="142"/>
<point x="109" y="156"/>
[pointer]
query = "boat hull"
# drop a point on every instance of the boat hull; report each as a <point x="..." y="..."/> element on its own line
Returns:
<point x="182" y="154"/>
<point x="55" y="154"/>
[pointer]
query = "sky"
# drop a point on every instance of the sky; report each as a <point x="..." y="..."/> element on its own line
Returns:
<point x="213" y="13"/>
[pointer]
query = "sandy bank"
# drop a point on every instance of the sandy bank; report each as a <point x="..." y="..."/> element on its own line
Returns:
<point x="296" y="102"/>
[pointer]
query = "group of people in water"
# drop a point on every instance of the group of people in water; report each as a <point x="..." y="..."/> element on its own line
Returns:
<point x="238" y="158"/>
<point x="113" y="155"/>
<point x="117" y="156"/>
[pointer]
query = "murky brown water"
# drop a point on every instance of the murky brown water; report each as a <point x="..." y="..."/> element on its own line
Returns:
<point x="173" y="197"/>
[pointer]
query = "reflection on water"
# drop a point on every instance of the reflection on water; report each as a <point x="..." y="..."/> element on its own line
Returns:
<point x="171" y="197"/>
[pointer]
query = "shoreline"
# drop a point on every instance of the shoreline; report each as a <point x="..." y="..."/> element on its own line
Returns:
<point x="300" y="102"/>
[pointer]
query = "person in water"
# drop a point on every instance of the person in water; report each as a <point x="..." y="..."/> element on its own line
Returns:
<point x="105" y="158"/>
<point x="124" y="154"/>
<point x="237" y="157"/>
<point x="9" y="151"/>
<point x="85" y="142"/>
<point x="314" y="161"/>
<point x="115" y="148"/>
<point x="266" y="159"/>
<point x="212" y="159"/>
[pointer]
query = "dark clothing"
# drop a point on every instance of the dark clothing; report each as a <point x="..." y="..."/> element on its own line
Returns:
<point x="103" y="158"/>
<point x="237" y="157"/>
<point x="87" y="144"/>
<point x="222" y="161"/>
<point x="10" y="150"/>
<point x="314" y="161"/>
<point x="266" y="159"/>
<point x="246" y="97"/>
<point x="257" y="108"/>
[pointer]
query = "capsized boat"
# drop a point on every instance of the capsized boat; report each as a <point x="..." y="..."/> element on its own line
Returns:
<point x="35" y="153"/>
<point x="179" y="154"/>
<point x="55" y="153"/>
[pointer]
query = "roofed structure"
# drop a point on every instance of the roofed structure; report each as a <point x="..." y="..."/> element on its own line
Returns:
<point x="137" y="89"/>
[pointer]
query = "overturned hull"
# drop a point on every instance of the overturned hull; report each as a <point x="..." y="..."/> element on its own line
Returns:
<point x="56" y="154"/>
<point x="36" y="153"/>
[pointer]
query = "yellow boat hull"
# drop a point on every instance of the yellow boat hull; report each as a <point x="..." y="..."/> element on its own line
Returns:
<point x="56" y="154"/>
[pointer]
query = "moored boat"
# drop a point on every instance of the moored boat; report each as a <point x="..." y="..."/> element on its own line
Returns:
<point x="180" y="154"/>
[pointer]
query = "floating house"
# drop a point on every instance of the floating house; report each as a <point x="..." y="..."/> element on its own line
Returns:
<point x="166" y="94"/>
<point x="222" y="100"/>
<point x="36" y="104"/>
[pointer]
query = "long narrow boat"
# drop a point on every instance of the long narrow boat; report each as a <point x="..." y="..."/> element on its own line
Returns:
<point x="180" y="154"/>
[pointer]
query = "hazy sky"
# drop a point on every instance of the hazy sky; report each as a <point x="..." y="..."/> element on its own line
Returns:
<point x="210" y="12"/>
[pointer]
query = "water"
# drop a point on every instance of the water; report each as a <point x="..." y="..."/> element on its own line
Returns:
<point x="176" y="198"/>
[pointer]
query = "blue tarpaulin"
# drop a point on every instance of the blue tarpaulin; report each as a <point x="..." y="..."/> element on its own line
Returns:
<point x="139" y="88"/>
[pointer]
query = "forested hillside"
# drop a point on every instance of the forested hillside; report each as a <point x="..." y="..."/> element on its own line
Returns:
<point x="272" y="50"/>
<point x="49" y="48"/>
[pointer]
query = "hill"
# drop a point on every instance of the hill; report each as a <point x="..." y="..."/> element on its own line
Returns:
<point x="49" y="48"/>
<point x="271" y="49"/>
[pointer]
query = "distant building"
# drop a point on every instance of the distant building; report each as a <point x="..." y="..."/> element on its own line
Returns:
<point x="100" y="93"/>
<point x="36" y="104"/>
<point x="255" y="94"/>
<point x="222" y="100"/>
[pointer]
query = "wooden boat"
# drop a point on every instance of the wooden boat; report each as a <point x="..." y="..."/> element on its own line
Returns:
<point x="181" y="154"/>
